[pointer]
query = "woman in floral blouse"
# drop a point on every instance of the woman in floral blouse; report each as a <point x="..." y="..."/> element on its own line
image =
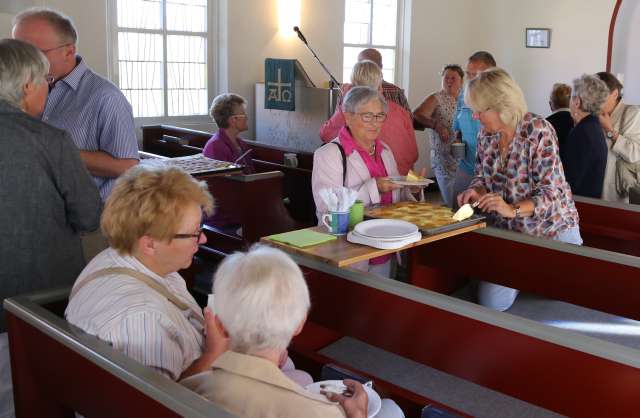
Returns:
<point x="519" y="180"/>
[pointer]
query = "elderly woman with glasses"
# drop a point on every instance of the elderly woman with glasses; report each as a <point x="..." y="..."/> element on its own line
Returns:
<point x="131" y="295"/>
<point x="261" y="303"/>
<point x="359" y="159"/>
<point x="230" y="114"/>
<point x="396" y="131"/>
<point x="47" y="198"/>
<point x="584" y="151"/>
<point x="519" y="180"/>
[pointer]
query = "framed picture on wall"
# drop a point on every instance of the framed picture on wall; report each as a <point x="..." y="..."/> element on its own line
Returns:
<point x="537" y="38"/>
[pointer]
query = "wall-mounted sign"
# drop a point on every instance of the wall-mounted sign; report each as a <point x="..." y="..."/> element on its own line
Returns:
<point x="537" y="38"/>
<point x="280" y="84"/>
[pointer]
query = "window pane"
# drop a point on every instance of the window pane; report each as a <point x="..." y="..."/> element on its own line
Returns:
<point x="139" y="47"/>
<point x="383" y="31"/>
<point x="357" y="17"/>
<point x="349" y="59"/>
<point x="388" y="58"/>
<point x="140" y="75"/>
<point x="182" y="48"/>
<point x="139" y="14"/>
<point x="187" y="75"/>
<point x="187" y="102"/>
<point x="145" y="103"/>
<point x="187" y="15"/>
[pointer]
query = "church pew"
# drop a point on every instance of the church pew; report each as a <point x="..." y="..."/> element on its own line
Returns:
<point x="561" y="371"/>
<point x="297" y="180"/>
<point x="589" y="277"/>
<point x="609" y="225"/>
<point x="58" y="369"/>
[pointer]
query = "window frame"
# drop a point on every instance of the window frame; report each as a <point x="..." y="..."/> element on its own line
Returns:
<point x="403" y="19"/>
<point x="213" y="82"/>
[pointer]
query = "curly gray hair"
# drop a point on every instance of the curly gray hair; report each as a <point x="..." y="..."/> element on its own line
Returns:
<point x="592" y="93"/>
<point x="224" y="106"/>
<point x="359" y="95"/>
<point x="20" y="63"/>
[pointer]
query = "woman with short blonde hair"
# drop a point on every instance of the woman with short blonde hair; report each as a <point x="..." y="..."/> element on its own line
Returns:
<point x="131" y="294"/>
<point x="519" y="180"/>
<point x="494" y="89"/>
<point x="366" y="73"/>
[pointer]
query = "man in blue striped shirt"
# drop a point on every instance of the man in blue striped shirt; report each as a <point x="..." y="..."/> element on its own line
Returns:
<point x="467" y="125"/>
<point x="89" y="107"/>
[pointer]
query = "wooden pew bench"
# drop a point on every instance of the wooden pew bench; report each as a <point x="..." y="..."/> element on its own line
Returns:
<point x="58" y="369"/>
<point x="609" y="225"/>
<point x="297" y="180"/>
<point x="584" y="276"/>
<point x="559" y="371"/>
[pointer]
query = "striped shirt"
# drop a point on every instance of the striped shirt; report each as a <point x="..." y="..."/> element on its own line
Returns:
<point x="96" y="114"/>
<point x="137" y="320"/>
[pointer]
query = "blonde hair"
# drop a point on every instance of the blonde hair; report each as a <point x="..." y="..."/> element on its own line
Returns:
<point x="150" y="200"/>
<point x="366" y="73"/>
<point x="494" y="89"/>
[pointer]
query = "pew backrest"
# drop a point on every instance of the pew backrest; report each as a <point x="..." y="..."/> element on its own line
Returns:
<point x="58" y="369"/>
<point x="563" y="371"/>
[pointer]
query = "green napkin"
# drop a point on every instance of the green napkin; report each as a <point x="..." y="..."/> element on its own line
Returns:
<point x="303" y="238"/>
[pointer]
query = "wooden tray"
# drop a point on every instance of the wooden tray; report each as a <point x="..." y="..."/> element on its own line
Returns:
<point x="429" y="218"/>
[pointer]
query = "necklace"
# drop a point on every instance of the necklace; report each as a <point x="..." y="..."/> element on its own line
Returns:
<point x="373" y="150"/>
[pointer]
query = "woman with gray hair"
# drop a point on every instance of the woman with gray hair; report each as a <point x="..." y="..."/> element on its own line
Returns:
<point x="229" y="111"/>
<point x="47" y="197"/>
<point x="261" y="303"/>
<point x="359" y="160"/>
<point x="584" y="152"/>
<point x="519" y="180"/>
<point x="396" y="131"/>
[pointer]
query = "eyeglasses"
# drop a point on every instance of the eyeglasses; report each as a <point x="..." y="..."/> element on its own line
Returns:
<point x="195" y="235"/>
<point x="46" y="51"/>
<point x="370" y="116"/>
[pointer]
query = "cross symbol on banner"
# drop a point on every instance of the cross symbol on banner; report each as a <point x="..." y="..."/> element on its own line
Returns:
<point x="276" y="91"/>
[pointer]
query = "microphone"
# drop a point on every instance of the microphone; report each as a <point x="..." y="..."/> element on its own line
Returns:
<point x="300" y="35"/>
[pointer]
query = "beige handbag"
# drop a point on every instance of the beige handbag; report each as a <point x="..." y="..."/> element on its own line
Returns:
<point x="627" y="174"/>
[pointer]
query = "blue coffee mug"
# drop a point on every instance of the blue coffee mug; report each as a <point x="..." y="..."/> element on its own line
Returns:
<point x="336" y="222"/>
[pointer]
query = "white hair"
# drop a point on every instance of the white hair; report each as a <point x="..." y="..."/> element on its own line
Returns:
<point x="261" y="299"/>
<point x="360" y="95"/>
<point x="20" y="63"/>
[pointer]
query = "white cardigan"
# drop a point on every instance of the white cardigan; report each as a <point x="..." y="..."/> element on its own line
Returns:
<point x="327" y="173"/>
<point x="627" y="147"/>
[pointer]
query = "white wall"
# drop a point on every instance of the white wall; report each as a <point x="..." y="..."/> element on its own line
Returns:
<point x="626" y="55"/>
<point x="442" y="31"/>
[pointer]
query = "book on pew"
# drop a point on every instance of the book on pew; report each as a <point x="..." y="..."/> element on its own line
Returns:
<point x="431" y="411"/>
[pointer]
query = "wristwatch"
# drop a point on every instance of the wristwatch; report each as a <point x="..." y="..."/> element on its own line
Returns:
<point x="516" y="208"/>
<point x="611" y="134"/>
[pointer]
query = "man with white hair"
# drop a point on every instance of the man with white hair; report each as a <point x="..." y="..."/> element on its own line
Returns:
<point x="89" y="107"/>
<point x="261" y="303"/>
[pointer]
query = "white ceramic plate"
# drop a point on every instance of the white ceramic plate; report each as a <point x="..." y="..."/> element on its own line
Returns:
<point x="375" y="403"/>
<point x="386" y="228"/>
<point x="402" y="181"/>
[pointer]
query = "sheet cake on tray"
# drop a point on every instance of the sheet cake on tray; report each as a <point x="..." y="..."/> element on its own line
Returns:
<point x="431" y="219"/>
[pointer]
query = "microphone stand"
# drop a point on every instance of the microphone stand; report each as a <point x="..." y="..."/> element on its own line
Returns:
<point x="333" y="82"/>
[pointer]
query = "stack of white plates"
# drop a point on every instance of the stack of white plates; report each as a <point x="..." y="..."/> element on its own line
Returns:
<point x="386" y="234"/>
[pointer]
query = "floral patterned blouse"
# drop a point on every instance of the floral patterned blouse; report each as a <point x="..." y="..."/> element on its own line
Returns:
<point x="441" y="158"/>
<point x="532" y="170"/>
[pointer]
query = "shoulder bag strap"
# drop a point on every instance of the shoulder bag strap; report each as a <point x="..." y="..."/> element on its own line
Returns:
<point x="344" y="163"/>
<point x="138" y="276"/>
